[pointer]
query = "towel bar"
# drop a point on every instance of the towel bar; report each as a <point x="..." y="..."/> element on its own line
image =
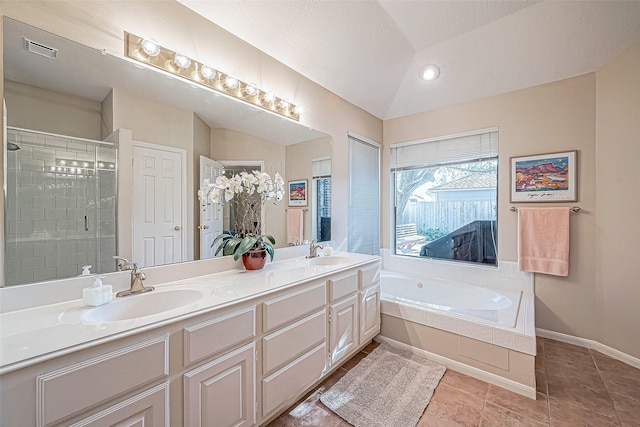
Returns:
<point x="572" y="209"/>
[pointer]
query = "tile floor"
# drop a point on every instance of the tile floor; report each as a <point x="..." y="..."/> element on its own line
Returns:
<point x="576" y="387"/>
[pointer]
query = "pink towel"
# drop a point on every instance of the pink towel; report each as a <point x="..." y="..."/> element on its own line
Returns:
<point x="543" y="240"/>
<point x="295" y="226"/>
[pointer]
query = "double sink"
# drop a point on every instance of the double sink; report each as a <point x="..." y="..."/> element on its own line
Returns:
<point x="162" y="299"/>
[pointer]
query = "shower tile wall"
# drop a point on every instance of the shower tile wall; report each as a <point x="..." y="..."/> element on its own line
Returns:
<point x="46" y="236"/>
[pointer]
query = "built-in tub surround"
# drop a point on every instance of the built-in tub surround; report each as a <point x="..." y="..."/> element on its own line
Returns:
<point x="479" y="340"/>
<point x="57" y="325"/>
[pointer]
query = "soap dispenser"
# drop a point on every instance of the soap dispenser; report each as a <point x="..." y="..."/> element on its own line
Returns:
<point x="97" y="294"/>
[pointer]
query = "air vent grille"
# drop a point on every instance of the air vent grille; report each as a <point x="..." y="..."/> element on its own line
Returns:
<point x="40" y="49"/>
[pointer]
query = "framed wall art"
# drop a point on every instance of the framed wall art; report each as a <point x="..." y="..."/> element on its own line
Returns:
<point x="548" y="177"/>
<point x="298" y="193"/>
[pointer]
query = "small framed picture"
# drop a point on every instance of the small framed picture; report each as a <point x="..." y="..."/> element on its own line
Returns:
<point x="548" y="177"/>
<point x="298" y="193"/>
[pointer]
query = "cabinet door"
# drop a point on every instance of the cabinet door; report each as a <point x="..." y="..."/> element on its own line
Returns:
<point x="222" y="393"/>
<point x="148" y="408"/>
<point x="343" y="323"/>
<point x="369" y="313"/>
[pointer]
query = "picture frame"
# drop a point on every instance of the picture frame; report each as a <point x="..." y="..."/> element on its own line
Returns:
<point x="298" y="193"/>
<point x="549" y="177"/>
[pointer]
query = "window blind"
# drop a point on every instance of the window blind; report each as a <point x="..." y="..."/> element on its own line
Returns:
<point x="363" y="218"/>
<point x="321" y="168"/>
<point x="454" y="149"/>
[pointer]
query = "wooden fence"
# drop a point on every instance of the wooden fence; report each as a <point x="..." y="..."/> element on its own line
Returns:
<point x="446" y="216"/>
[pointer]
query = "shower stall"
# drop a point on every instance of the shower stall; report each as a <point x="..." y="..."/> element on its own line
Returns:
<point x="60" y="206"/>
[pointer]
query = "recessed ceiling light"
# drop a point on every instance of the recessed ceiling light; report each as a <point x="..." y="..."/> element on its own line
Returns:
<point x="430" y="72"/>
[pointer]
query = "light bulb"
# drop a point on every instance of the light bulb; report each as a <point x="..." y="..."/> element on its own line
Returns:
<point x="269" y="97"/>
<point x="430" y="72"/>
<point x="150" y="47"/>
<point x="207" y="72"/>
<point x="182" y="60"/>
<point x="251" y="89"/>
<point x="284" y="104"/>
<point x="298" y="110"/>
<point x="231" y="82"/>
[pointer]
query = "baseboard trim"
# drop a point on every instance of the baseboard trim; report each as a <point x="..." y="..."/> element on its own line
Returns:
<point x="590" y="344"/>
<point x="454" y="365"/>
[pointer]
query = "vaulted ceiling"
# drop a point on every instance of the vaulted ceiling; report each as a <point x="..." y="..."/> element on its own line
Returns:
<point x="370" y="52"/>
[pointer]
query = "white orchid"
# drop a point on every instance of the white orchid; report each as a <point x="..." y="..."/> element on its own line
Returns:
<point x="222" y="182"/>
<point x="241" y="189"/>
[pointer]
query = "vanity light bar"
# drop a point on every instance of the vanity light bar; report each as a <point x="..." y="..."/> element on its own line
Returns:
<point x="178" y="63"/>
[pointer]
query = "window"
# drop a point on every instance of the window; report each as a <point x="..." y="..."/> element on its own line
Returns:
<point x="321" y="205"/>
<point x="363" y="217"/>
<point x="445" y="197"/>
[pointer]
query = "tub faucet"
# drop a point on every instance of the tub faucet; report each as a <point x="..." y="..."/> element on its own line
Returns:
<point x="137" y="276"/>
<point x="313" y="249"/>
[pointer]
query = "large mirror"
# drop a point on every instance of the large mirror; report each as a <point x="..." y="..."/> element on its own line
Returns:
<point x="103" y="157"/>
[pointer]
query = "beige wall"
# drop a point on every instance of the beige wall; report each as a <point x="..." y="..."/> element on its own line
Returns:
<point x="618" y="207"/>
<point x="30" y="107"/>
<point x="597" y="114"/>
<point x="553" y="117"/>
<point x="299" y="165"/>
<point x="101" y="25"/>
<point x="159" y="124"/>
<point x="229" y="145"/>
<point x="201" y="147"/>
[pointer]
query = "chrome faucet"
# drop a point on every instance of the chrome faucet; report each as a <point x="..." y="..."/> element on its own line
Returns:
<point x="313" y="249"/>
<point x="137" y="276"/>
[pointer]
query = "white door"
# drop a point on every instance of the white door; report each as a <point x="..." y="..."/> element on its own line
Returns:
<point x="210" y="214"/>
<point x="158" y="205"/>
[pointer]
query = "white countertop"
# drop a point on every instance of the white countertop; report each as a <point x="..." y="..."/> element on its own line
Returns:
<point x="40" y="333"/>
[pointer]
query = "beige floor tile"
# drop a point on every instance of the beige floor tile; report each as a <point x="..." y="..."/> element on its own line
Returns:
<point x="628" y="410"/>
<point x="497" y="416"/>
<point x="567" y="415"/>
<point x="466" y="383"/>
<point x="541" y="382"/>
<point x="536" y="410"/>
<point x="280" y="422"/>
<point x="623" y="385"/>
<point x="311" y="412"/>
<point x="452" y="405"/>
<point x="574" y="391"/>
<point x="613" y="366"/>
<point x="354" y="360"/>
<point x="371" y="346"/>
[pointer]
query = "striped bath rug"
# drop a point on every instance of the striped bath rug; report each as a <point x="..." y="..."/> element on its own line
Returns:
<point x="389" y="387"/>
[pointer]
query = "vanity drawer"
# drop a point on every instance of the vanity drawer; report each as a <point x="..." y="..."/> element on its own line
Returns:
<point x="369" y="275"/>
<point x="342" y="286"/>
<point x="282" y="310"/>
<point x="287" y="382"/>
<point x="290" y="342"/>
<point x="75" y="388"/>
<point x="220" y="333"/>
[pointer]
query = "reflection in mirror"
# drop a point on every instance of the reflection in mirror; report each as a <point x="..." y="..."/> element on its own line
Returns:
<point x="89" y="100"/>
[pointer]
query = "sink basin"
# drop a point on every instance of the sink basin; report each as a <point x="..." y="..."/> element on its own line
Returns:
<point x="329" y="260"/>
<point x="146" y="304"/>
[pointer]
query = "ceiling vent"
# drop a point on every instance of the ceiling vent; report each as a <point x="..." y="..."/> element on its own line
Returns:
<point x="40" y="49"/>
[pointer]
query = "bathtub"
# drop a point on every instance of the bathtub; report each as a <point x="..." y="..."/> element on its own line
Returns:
<point x="465" y="301"/>
<point x="485" y="333"/>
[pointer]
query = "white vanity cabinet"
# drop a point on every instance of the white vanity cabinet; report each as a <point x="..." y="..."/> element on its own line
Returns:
<point x="241" y="364"/>
<point x="369" y="300"/>
<point x="294" y="349"/>
<point x="221" y="392"/>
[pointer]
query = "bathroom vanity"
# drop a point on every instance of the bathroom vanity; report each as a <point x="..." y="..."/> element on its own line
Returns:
<point x="240" y="349"/>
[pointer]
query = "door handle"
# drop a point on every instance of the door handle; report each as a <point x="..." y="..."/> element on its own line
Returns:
<point x="177" y="228"/>
<point x="203" y="227"/>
